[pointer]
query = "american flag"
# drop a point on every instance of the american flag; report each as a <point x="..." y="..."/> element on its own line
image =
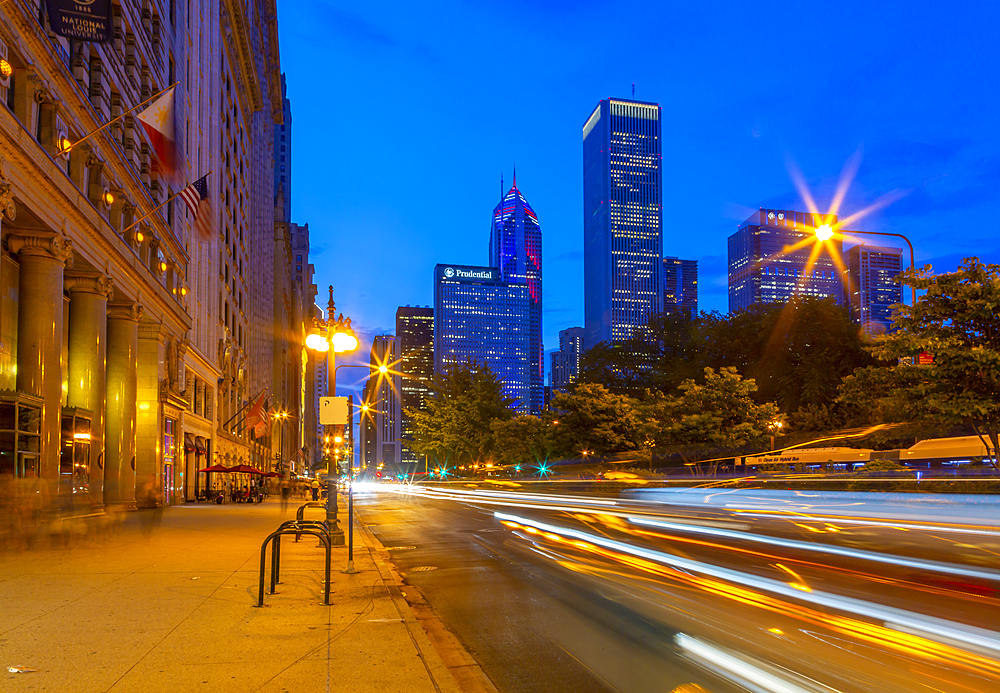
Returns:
<point x="195" y="196"/>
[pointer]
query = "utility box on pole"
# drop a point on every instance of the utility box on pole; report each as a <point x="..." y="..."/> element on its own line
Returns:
<point x="333" y="411"/>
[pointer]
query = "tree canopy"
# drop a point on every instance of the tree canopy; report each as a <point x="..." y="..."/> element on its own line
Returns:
<point x="956" y="323"/>
<point x="592" y="419"/>
<point x="457" y="424"/>
<point x="722" y="412"/>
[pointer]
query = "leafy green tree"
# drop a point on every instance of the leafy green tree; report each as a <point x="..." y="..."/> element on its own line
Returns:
<point x="797" y="351"/>
<point x="593" y="419"/>
<point x="523" y="440"/>
<point x="457" y="424"/>
<point x="956" y="321"/>
<point x="721" y="412"/>
<point x="656" y="357"/>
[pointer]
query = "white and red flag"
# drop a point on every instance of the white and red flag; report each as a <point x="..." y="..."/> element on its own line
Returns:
<point x="257" y="416"/>
<point x="159" y="122"/>
<point x="195" y="196"/>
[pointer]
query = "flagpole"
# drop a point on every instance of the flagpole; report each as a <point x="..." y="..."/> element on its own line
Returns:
<point x="152" y="211"/>
<point x="160" y="206"/>
<point x="108" y="124"/>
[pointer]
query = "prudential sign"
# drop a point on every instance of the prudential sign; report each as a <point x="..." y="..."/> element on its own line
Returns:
<point x="471" y="274"/>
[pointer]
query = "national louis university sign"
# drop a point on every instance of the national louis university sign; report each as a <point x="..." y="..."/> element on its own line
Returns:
<point x="83" y="20"/>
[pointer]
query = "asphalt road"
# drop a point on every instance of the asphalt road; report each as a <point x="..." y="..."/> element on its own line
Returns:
<point x="529" y="629"/>
<point x="646" y="593"/>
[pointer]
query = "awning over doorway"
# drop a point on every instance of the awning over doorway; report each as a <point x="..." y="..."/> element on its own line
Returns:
<point x="200" y="445"/>
<point x="188" y="442"/>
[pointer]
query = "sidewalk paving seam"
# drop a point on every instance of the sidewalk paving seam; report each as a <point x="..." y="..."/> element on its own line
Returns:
<point x="171" y="631"/>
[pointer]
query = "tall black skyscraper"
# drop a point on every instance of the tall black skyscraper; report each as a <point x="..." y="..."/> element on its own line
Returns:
<point x="516" y="250"/>
<point x="415" y="334"/>
<point x="622" y="218"/>
<point x="680" y="286"/>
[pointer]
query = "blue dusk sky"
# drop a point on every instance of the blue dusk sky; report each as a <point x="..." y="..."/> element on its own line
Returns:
<point x="405" y="116"/>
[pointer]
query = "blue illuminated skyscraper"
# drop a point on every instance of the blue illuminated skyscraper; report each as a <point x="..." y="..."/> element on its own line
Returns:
<point x="622" y="219"/>
<point x="516" y="250"/>
<point x="478" y="317"/>
<point x="769" y="262"/>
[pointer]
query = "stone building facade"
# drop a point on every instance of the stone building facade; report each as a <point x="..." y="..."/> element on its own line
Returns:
<point x="128" y="352"/>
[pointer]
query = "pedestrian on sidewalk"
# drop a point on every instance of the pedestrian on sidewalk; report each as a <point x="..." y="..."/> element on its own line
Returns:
<point x="315" y="488"/>
<point x="285" y="492"/>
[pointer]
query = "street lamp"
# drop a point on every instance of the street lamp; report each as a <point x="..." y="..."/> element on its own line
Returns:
<point x="775" y="427"/>
<point x="825" y="232"/>
<point x="338" y="339"/>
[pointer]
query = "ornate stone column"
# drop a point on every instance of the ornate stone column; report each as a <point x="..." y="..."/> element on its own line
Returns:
<point x="88" y="335"/>
<point x="39" y="334"/>
<point x="120" y="426"/>
<point x="149" y="433"/>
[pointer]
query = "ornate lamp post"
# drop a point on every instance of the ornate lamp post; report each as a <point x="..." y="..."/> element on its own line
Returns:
<point x="338" y="338"/>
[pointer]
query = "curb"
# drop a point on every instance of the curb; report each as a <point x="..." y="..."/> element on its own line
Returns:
<point x="435" y="638"/>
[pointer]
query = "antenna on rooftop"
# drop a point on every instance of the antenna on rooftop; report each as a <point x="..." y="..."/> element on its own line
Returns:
<point x="633" y="91"/>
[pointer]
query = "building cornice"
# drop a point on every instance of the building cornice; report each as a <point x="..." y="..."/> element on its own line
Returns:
<point x="236" y="31"/>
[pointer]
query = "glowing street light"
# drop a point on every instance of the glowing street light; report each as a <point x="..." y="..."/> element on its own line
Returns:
<point x="824" y="232"/>
<point x="338" y="339"/>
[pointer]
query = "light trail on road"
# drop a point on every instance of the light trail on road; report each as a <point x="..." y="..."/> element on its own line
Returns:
<point x="868" y="598"/>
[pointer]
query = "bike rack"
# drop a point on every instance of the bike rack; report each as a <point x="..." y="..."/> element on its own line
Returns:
<point x="275" y="539"/>
<point x="301" y="510"/>
<point x="276" y="546"/>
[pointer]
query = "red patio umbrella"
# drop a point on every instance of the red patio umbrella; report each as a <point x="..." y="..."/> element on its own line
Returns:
<point x="273" y="474"/>
<point x="215" y="468"/>
<point x="244" y="468"/>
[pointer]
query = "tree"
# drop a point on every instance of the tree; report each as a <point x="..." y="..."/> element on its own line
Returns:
<point x="457" y="422"/>
<point x="524" y="439"/>
<point x="797" y="351"/>
<point x="592" y="419"/>
<point x="722" y="412"/>
<point x="656" y="357"/>
<point x="955" y="321"/>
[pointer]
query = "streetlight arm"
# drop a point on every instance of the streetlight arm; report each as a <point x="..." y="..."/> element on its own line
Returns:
<point x="913" y="264"/>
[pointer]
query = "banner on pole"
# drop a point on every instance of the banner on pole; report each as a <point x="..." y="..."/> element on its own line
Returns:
<point x="83" y="20"/>
<point x="333" y="411"/>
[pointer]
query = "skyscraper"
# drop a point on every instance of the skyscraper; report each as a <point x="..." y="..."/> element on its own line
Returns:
<point x="283" y="155"/>
<point x="566" y="361"/>
<point x="516" y="250"/>
<point x="382" y="393"/>
<point x="680" y="285"/>
<point x="415" y="333"/>
<point x="872" y="288"/>
<point x="478" y="317"/>
<point x="767" y="263"/>
<point x="622" y="218"/>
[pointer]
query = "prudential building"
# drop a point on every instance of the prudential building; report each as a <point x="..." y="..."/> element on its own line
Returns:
<point x="480" y="318"/>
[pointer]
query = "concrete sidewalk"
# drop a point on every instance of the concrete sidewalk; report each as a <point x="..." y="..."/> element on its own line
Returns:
<point x="138" y="607"/>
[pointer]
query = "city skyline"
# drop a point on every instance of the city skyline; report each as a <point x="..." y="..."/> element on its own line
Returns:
<point x="734" y="123"/>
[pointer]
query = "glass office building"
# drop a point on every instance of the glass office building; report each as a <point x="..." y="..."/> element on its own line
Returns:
<point x="622" y="218"/>
<point x="478" y="317"/>
<point x="766" y="266"/>
<point x="415" y="334"/>
<point x="516" y="250"/>
<point x="872" y="286"/>
<point x="566" y="362"/>
<point x="680" y="286"/>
